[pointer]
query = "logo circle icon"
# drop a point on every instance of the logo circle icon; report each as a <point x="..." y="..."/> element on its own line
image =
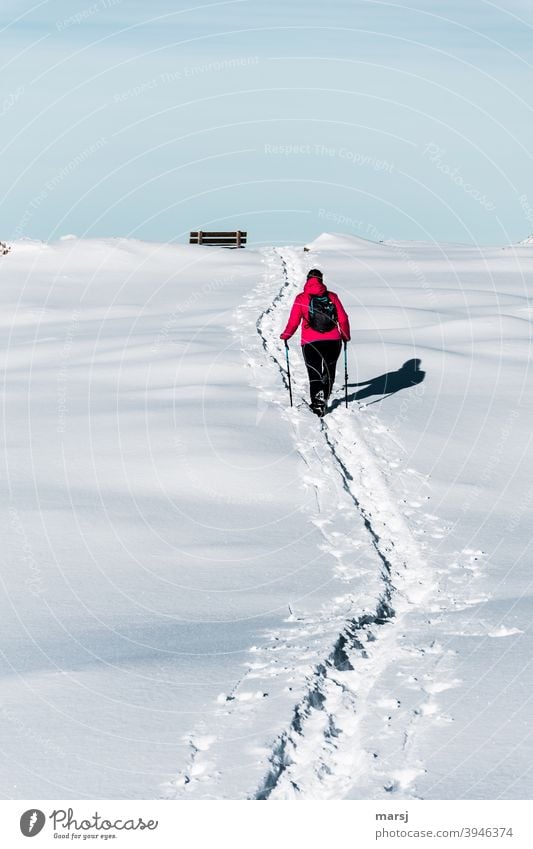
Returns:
<point x="32" y="822"/>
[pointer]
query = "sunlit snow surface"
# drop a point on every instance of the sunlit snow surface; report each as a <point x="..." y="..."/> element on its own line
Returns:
<point x="208" y="594"/>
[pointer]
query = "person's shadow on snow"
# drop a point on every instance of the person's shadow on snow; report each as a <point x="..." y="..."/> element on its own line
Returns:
<point x="387" y="384"/>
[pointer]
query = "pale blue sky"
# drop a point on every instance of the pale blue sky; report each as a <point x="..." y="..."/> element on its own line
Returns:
<point x="284" y="118"/>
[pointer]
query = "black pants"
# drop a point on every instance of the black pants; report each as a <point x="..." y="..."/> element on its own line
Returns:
<point x="321" y="361"/>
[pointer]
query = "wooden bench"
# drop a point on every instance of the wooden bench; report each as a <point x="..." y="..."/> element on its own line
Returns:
<point x="222" y="239"/>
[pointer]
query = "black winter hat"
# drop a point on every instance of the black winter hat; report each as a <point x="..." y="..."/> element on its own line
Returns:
<point x="315" y="272"/>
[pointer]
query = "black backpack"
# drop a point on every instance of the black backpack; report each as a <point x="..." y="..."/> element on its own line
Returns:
<point x="322" y="313"/>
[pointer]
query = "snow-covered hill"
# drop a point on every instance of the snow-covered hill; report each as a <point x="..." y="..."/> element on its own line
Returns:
<point x="208" y="594"/>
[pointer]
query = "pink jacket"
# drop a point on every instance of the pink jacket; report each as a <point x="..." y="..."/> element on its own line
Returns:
<point x="300" y="313"/>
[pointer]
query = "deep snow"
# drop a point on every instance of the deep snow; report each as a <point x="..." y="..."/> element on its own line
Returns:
<point x="207" y="594"/>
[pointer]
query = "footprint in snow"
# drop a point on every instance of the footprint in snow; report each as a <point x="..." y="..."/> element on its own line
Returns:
<point x="202" y="742"/>
<point x="402" y="779"/>
<point x="388" y="704"/>
<point x="249" y="696"/>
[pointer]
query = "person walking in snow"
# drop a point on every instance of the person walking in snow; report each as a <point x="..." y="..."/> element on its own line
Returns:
<point x="325" y="326"/>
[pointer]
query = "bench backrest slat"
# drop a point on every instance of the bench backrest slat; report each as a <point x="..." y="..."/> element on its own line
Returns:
<point x="222" y="238"/>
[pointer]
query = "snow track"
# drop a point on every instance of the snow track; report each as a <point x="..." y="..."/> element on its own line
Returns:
<point x="324" y="752"/>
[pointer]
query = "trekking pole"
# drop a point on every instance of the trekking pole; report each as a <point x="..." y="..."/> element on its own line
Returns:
<point x="288" y="369"/>
<point x="345" y="374"/>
